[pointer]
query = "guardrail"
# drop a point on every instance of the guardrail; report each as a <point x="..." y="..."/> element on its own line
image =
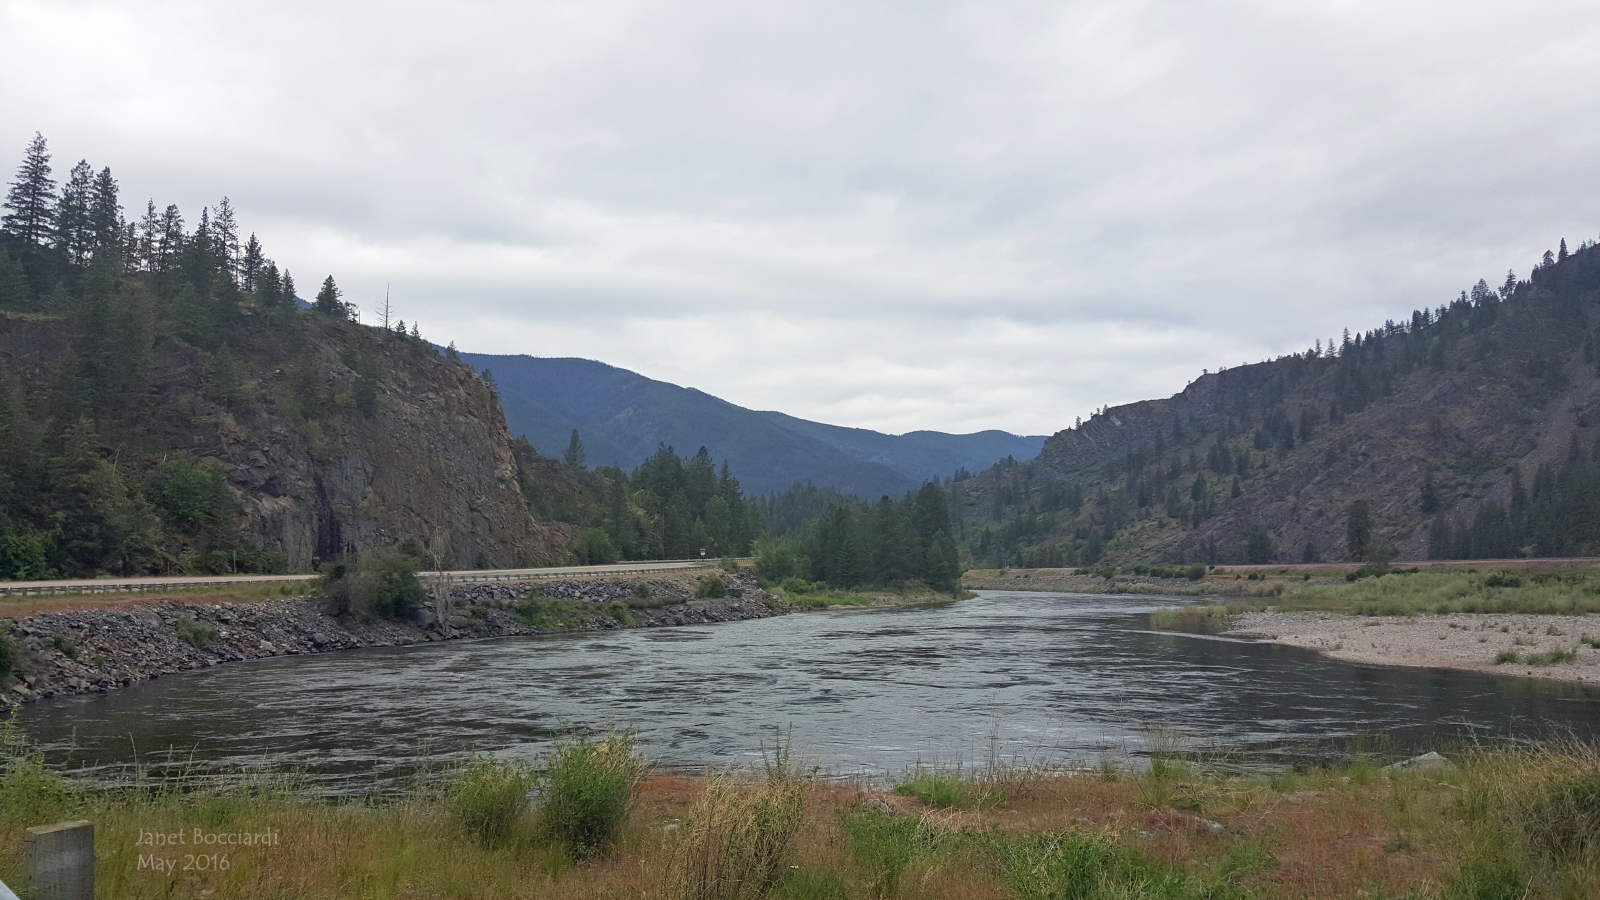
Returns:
<point x="183" y="583"/>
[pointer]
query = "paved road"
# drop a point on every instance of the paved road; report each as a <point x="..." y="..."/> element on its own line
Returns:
<point x="138" y="585"/>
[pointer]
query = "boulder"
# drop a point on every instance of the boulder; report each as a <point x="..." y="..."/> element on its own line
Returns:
<point x="1427" y="762"/>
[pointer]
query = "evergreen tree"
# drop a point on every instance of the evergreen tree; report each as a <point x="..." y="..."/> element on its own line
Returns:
<point x="251" y="263"/>
<point x="328" y="300"/>
<point x="74" y="231"/>
<point x="225" y="238"/>
<point x="290" y="298"/>
<point x="31" y="198"/>
<point x="1358" y="530"/>
<point x="574" y="459"/>
<point x="105" y="213"/>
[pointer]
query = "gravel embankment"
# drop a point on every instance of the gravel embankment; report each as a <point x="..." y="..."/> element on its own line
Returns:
<point x="95" y="650"/>
<point x="1467" y="641"/>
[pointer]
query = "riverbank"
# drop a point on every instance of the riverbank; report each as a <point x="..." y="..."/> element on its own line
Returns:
<point x="1480" y="824"/>
<point x="1554" y="647"/>
<point x="104" y="644"/>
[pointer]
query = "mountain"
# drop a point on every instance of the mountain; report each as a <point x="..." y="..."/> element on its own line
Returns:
<point x="1469" y="431"/>
<point x="623" y="417"/>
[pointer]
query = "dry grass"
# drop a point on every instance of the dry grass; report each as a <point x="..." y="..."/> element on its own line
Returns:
<point x="15" y="607"/>
<point x="1521" y="820"/>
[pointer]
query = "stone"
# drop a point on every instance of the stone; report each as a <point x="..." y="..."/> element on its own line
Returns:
<point x="1427" y="762"/>
<point x="319" y="638"/>
<point x="459" y="622"/>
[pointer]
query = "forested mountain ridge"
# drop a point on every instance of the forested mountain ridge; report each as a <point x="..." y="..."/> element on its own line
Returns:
<point x="1468" y="431"/>
<point x="166" y="408"/>
<point x="624" y="418"/>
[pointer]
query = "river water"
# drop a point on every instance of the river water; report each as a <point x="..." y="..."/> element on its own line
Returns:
<point x="1070" y="677"/>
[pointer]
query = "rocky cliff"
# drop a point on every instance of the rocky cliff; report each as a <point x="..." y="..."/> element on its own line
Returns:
<point x="333" y="439"/>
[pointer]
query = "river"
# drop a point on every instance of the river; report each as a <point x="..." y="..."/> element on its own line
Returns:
<point x="1069" y="677"/>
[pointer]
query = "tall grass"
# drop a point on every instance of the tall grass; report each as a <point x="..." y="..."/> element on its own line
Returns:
<point x="585" y="790"/>
<point x="489" y="797"/>
<point x="739" y="835"/>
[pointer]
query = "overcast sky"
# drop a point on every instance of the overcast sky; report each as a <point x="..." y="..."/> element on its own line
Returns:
<point x="954" y="216"/>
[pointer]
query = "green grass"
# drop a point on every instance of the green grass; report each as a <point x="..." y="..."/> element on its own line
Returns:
<point x="488" y="797"/>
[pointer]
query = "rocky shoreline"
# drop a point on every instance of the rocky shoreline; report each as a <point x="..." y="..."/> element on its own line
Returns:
<point x="97" y="650"/>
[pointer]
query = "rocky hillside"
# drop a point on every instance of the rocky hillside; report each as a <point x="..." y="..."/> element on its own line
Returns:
<point x="1428" y="426"/>
<point x="330" y="438"/>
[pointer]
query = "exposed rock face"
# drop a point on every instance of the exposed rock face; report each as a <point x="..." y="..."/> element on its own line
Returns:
<point x="98" y="650"/>
<point x="336" y="438"/>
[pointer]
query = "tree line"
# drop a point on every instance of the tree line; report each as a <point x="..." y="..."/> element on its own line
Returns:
<point x="670" y="507"/>
<point x="890" y="543"/>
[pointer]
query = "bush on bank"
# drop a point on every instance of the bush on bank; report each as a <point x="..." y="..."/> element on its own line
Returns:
<point x="382" y="585"/>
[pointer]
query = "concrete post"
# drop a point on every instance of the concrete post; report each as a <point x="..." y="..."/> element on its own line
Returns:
<point x="60" y="861"/>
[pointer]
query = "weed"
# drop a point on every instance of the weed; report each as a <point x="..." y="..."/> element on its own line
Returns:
<point x="1550" y="657"/>
<point x="712" y="588"/>
<point x="939" y="788"/>
<point x="881" y="844"/>
<point x="808" y="884"/>
<point x="620" y="612"/>
<point x="63" y="646"/>
<point x="585" y="789"/>
<point x="194" y="634"/>
<point x="736" y="842"/>
<point x="489" y="796"/>
<point x="1505" y="656"/>
<point x="1563" y="816"/>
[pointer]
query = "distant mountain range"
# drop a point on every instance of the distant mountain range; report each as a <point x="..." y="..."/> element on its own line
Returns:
<point x="623" y="417"/>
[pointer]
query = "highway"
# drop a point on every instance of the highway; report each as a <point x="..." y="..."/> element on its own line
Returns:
<point x="153" y="583"/>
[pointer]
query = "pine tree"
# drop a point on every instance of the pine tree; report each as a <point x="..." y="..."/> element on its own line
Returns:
<point x="415" y="331"/>
<point x="31" y="198"/>
<point x="269" y="286"/>
<point x="169" y="240"/>
<point x="105" y="213"/>
<point x="74" y="234"/>
<point x="1561" y="255"/>
<point x="250" y="264"/>
<point x="328" y="299"/>
<point x="290" y="298"/>
<point x="225" y="238"/>
<point x="574" y="458"/>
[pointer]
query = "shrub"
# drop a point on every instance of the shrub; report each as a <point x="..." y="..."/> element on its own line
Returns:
<point x="712" y="588"/>
<point x="595" y="548"/>
<point x="793" y="585"/>
<point x="642" y="590"/>
<point x="620" y="612"/>
<point x="776" y="559"/>
<point x="1195" y="572"/>
<point x="8" y="655"/>
<point x="193" y="633"/>
<point x="585" y="790"/>
<point x="63" y="646"/>
<point x="1505" y="656"/>
<point x="729" y="564"/>
<point x="489" y="796"/>
<point x="383" y="585"/>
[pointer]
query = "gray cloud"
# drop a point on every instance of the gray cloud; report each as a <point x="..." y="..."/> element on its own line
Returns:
<point x="955" y="216"/>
